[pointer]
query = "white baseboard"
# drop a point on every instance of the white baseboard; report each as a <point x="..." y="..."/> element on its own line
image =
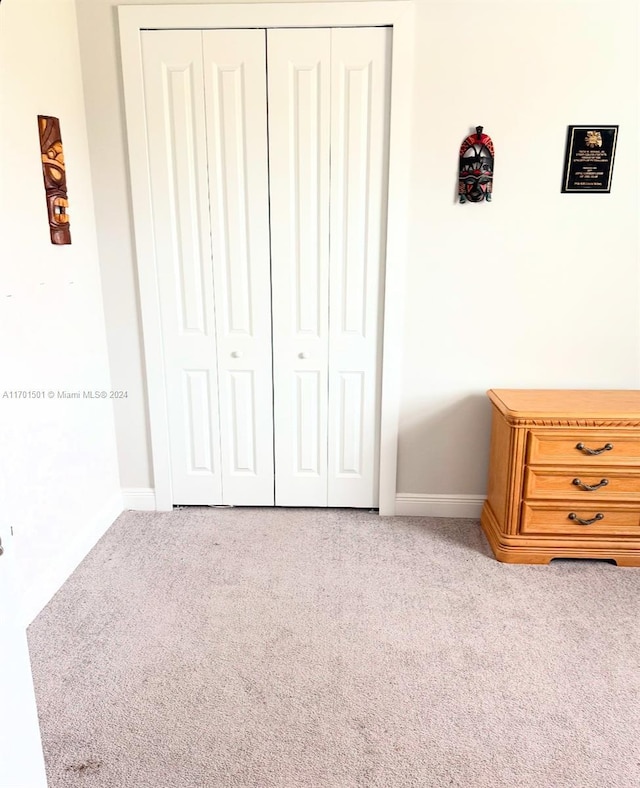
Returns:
<point x="141" y="499"/>
<point x="420" y="505"/>
<point x="63" y="564"/>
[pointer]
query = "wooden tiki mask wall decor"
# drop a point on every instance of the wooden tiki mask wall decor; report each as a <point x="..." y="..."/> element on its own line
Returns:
<point x="476" y="168"/>
<point x="55" y="181"/>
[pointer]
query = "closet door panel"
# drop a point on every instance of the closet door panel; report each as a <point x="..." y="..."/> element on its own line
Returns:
<point x="299" y="133"/>
<point x="236" y="117"/>
<point x="360" y="90"/>
<point x="174" y="109"/>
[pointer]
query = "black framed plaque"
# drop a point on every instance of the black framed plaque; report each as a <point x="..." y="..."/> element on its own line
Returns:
<point x="588" y="160"/>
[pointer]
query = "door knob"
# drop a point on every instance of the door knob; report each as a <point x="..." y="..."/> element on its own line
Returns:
<point x="1" y="547"/>
<point x="236" y="354"/>
<point x="303" y="355"/>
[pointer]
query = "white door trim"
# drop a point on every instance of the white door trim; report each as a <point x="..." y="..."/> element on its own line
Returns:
<point x="397" y="14"/>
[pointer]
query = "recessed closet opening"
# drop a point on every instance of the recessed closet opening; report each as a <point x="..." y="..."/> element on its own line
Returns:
<point x="265" y="233"/>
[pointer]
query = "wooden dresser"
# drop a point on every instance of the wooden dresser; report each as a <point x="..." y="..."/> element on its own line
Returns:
<point x="564" y="477"/>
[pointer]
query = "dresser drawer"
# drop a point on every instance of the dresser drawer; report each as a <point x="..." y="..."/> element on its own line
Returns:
<point x="554" y="519"/>
<point x="559" y="447"/>
<point x="609" y="484"/>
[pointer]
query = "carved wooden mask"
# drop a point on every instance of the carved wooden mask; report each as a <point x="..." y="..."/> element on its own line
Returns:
<point x="55" y="181"/>
<point x="476" y="168"/>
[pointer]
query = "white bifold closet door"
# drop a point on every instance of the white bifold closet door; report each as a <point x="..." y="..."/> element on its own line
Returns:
<point x="268" y="154"/>
<point x="206" y="126"/>
<point x="328" y="109"/>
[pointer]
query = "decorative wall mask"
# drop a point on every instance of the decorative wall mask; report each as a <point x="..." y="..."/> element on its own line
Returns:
<point x="476" y="168"/>
<point x="55" y="181"/>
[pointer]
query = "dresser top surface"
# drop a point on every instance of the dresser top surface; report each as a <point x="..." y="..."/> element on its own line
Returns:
<point x="567" y="403"/>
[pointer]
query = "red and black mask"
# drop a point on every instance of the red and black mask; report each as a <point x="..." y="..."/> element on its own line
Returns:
<point x="476" y="168"/>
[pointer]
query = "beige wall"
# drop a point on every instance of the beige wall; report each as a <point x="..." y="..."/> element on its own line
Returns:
<point x="537" y="289"/>
<point x="58" y="462"/>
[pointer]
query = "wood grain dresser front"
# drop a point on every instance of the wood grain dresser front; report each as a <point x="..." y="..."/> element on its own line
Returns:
<point x="564" y="476"/>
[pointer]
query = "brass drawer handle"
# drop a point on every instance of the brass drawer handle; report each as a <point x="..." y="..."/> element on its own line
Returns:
<point x="581" y="447"/>
<point x="580" y="521"/>
<point x="590" y="487"/>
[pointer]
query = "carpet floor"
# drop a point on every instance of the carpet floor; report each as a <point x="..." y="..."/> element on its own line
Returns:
<point x="251" y="648"/>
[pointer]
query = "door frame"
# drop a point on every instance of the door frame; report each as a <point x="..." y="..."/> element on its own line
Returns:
<point x="397" y="14"/>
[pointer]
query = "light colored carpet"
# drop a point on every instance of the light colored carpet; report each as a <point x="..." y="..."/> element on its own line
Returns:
<point x="236" y="647"/>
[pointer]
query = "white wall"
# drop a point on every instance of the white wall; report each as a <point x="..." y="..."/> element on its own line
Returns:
<point x="58" y="463"/>
<point x="537" y="289"/>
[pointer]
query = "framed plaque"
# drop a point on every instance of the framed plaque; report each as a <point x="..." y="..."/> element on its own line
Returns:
<point x="588" y="160"/>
